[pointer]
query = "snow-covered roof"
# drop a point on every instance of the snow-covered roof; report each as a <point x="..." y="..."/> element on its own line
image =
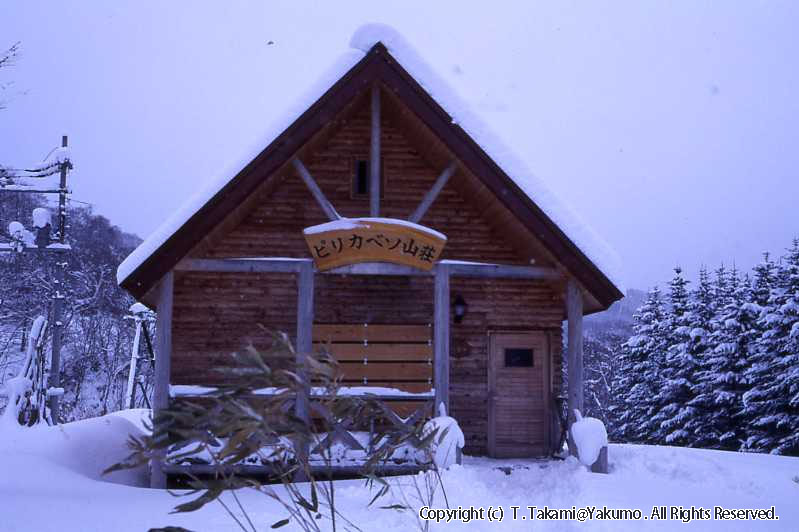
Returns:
<point x="364" y="38"/>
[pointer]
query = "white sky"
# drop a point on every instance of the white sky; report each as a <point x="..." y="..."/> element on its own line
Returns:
<point x="671" y="128"/>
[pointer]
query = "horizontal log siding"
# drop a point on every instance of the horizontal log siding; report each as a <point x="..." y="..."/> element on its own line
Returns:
<point x="216" y="314"/>
<point x="219" y="313"/>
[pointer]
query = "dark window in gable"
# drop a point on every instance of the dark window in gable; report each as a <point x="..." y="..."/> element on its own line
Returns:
<point x="516" y="357"/>
<point x="360" y="184"/>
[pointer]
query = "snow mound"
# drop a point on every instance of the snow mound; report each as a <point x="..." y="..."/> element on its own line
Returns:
<point x="141" y="418"/>
<point x="590" y="436"/>
<point x="138" y="308"/>
<point x="41" y="217"/>
<point x="85" y="447"/>
<point x="449" y="438"/>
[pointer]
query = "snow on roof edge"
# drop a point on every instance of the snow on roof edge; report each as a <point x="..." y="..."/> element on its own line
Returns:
<point x="586" y="240"/>
<point x="364" y="38"/>
<point x="179" y="217"/>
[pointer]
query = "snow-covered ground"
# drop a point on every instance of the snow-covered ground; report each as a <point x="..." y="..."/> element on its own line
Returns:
<point x="50" y="480"/>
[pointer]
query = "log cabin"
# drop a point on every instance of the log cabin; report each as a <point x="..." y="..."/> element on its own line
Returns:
<point x="383" y="220"/>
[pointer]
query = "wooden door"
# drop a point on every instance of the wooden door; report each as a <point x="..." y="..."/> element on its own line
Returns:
<point x="518" y="392"/>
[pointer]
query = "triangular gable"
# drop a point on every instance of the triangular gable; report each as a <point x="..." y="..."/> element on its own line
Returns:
<point x="388" y="59"/>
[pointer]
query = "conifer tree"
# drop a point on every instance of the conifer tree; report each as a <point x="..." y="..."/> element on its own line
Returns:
<point x="724" y="371"/>
<point x="764" y="281"/>
<point x="702" y="311"/>
<point x="639" y="365"/>
<point x="672" y="410"/>
<point x="772" y="403"/>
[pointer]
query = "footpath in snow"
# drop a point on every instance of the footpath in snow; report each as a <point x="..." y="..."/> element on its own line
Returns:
<point x="50" y="479"/>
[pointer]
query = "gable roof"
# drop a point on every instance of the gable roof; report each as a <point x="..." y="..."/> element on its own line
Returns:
<point x="378" y="53"/>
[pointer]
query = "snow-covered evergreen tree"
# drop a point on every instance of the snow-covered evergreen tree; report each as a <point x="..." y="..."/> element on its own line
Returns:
<point x="764" y="281"/>
<point x="672" y="410"/>
<point x="717" y="368"/>
<point x="702" y="312"/>
<point x="772" y="403"/>
<point x="725" y="366"/>
<point x="639" y="367"/>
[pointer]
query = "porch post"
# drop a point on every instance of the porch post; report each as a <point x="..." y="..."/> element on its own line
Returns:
<point x="374" y="155"/>
<point x="574" y="314"/>
<point x="163" y="354"/>
<point x="305" y="308"/>
<point x="441" y="337"/>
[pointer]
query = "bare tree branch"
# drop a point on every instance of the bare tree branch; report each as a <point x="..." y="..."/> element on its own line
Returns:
<point x="7" y="58"/>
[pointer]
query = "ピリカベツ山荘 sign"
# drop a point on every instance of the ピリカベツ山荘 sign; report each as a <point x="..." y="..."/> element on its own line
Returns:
<point x="352" y="240"/>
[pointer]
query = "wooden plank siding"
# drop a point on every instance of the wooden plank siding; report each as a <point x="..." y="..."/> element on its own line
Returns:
<point x="388" y="356"/>
<point x="216" y="313"/>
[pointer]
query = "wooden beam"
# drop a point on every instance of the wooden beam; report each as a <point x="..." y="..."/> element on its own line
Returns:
<point x="433" y="193"/>
<point x="320" y="471"/>
<point x="376" y="268"/>
<point x="574" y="349"/>
<point x="318" y="195"/>
<point x="304" y="346"/>
<point x="374" y="155"/>
<point x="253" y="265"/>
<point x="295" y="265"/>
<point x="501" y="271"/>
<point x="441" y="336"/>
<point x="163" y="354"/>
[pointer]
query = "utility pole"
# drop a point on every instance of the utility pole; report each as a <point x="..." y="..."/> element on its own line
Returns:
<point x="58" y="297"/>
<point x="22" y="181"/>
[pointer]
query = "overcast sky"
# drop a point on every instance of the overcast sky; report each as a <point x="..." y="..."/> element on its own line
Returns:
<point x="670" y="127"/>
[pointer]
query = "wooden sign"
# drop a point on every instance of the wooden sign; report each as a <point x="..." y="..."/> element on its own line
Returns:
<point x="352" y="240"/>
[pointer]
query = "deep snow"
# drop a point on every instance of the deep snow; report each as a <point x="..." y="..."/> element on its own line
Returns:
<point x="49" y="480"/>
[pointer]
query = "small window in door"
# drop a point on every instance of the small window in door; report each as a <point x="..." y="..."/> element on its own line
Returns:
<point x="516" y="357"/>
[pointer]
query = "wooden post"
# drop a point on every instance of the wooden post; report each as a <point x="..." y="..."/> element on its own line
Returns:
<point x="62" y="196"/>
<point x="574" y="314"/>
<point x="304" y="346"/>
<point x="433" y="193"/>
<point x="441" y="336"/>
<point x="317" y="193"/>
<point x="163" y="354"/>
<point x="601" y="464"/>
<point x="133" y="370"/>
<point x="54" y="380"/>
<point x="374" y="155"/>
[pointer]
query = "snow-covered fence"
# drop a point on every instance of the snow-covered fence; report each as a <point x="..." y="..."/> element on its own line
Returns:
<point x="27" y="393"/>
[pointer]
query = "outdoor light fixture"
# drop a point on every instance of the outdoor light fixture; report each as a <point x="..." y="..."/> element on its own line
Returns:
<point x="459" y="308"/>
